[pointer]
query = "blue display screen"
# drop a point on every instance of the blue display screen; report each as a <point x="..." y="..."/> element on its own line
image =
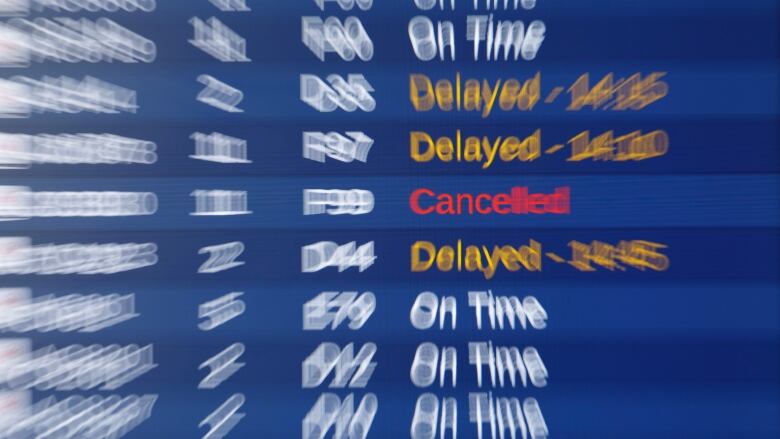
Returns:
<point x="395" y="218"/>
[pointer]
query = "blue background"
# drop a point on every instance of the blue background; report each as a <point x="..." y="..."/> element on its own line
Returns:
<point x="688" y="353"/>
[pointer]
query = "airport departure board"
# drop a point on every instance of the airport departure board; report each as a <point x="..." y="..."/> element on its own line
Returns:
<point x="367" y="219"/>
